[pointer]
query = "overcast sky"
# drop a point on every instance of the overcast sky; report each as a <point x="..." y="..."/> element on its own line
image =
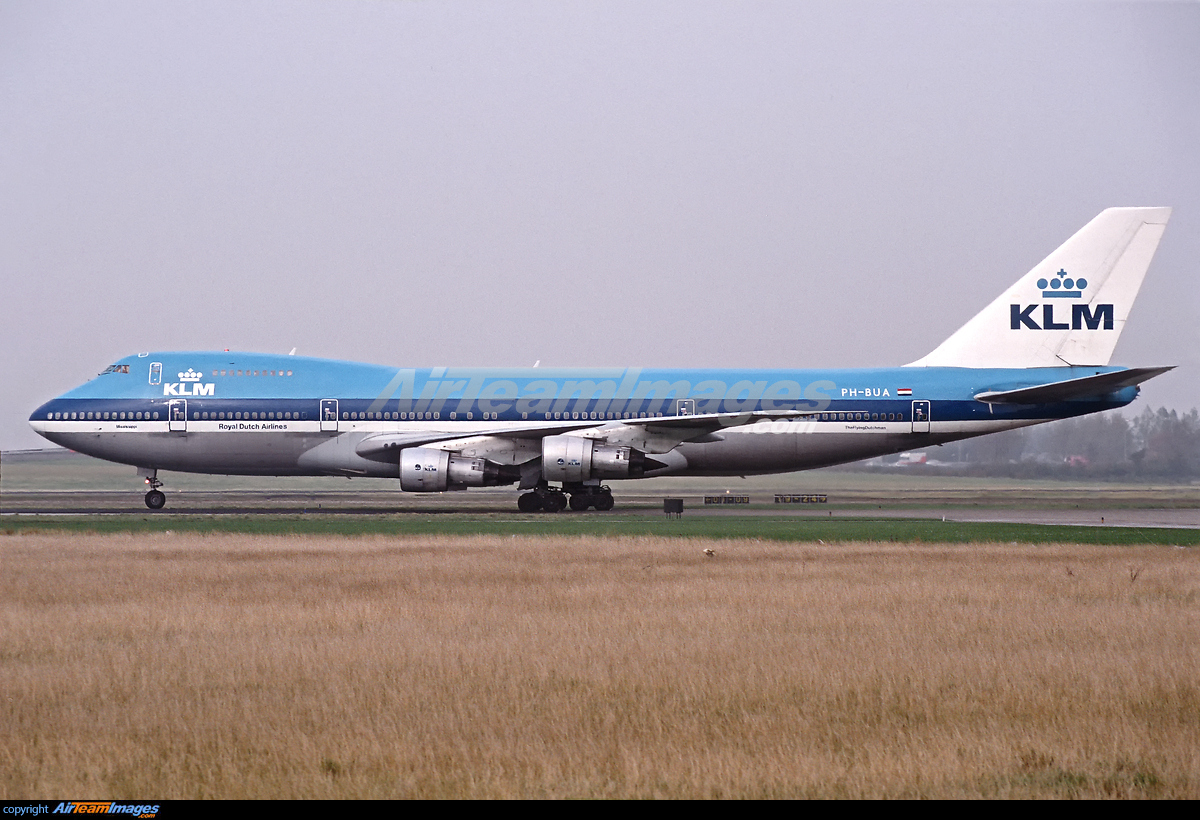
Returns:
<point x="581" y="183"/>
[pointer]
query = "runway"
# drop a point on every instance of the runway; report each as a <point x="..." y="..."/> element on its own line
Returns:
<point x="389" y="502"/>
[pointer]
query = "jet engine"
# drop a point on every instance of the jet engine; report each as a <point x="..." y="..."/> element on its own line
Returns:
<point x="572" y="460"/>
<point x="426" y="470"/>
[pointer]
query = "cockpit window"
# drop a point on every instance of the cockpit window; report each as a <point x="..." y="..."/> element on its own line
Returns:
<point x="115" y="368"/>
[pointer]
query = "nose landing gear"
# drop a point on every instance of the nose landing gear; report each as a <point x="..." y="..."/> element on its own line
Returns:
<point x="155" y="500"/>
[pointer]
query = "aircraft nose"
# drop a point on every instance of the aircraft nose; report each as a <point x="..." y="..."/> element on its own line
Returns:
<point x="38" y="419"/>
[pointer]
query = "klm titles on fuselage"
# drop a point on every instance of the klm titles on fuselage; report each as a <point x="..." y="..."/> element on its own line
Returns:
<point x="189" y="384"/>
<point x="1062" y="286"/>
<point x="187" y="389"/>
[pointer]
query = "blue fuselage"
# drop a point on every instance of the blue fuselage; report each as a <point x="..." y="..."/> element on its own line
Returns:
<point x="258" y="414"/>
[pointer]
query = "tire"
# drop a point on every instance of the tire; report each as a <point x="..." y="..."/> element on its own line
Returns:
<point x="554" y="502"/>
<point x="529" y="503"/>
<point x="580" y="502"/>
<point x="604" y="502"/>
<point x="155" y="500"/>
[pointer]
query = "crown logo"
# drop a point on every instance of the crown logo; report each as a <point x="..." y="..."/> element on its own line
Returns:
<point x="1062" y="286"/>
<point x="190" y="375"/>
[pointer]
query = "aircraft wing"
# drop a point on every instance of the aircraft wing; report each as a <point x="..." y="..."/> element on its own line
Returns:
<point x="1082" y="388"/>
<point x="652" y="435"/>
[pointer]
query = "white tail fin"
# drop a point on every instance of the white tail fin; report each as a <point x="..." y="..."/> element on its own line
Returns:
<point x="1071" y="308"/>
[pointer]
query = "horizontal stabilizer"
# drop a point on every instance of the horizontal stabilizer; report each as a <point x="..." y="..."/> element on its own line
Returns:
<point x="1086" y="387"/>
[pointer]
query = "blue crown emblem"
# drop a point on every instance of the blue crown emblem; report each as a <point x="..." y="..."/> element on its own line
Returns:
<point x="1062" y="286"/>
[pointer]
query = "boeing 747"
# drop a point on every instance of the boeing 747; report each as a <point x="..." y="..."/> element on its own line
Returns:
<point x="1038" y="353"/>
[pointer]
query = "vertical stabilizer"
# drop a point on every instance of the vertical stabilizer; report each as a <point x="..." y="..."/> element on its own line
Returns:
<point x="1071" y="308"/>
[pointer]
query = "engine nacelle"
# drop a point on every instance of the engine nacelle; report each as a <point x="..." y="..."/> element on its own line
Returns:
<point x="426" y="470"/>
<point x="572" y="460"/>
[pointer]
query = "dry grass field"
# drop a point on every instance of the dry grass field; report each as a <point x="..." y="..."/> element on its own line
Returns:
<point x="232" y="666"/>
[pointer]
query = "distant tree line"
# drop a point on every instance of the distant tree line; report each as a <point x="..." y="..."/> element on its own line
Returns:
<point x="1155" y="445"/>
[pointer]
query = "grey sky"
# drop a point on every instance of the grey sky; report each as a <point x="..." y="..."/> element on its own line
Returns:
<point x="584" y="183"/>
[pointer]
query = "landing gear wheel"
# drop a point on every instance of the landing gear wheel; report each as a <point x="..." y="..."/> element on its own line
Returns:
<point x="580" y="502"/>
<point x="604" y="502"/>
<point x="554" y="502"/>
<point x="529" y="503"/>
<point x="155" y="500"/>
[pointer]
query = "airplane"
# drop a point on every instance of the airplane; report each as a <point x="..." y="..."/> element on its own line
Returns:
<point x="1038" y="352"/>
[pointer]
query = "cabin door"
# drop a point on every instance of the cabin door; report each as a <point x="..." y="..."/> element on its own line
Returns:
<point x="329" y="415"/>
<point x="177" y="416"/>
<point x="920" y="417"/>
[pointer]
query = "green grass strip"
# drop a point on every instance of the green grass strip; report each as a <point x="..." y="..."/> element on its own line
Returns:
<point x="782" y="528"/>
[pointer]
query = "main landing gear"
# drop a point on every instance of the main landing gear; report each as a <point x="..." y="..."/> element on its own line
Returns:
<point x="155" y="500"/>
<point x="552" y="499"/>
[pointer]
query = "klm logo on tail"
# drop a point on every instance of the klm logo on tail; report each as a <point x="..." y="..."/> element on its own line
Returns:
<point x="1062" y="286"/>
